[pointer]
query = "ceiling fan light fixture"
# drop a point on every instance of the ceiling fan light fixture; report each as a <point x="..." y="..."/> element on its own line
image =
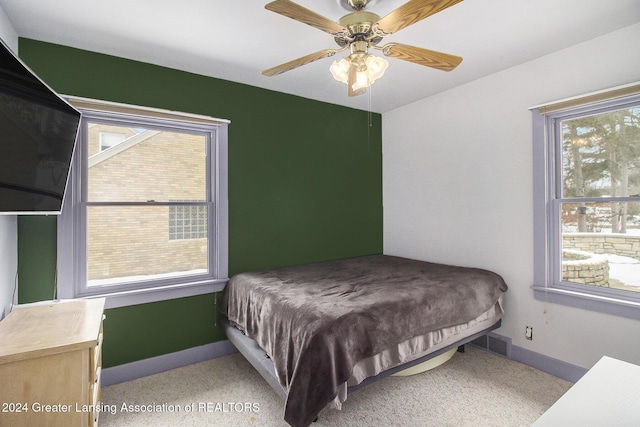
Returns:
<point x="376" y="67"/>
<point x="340" y="70"/>
<point x="368" y="71"/>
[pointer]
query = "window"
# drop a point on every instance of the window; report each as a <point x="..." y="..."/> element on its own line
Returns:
<point x="145" y="216"/>
<point x="109" y="139"/>
<point x="587" y="201"/>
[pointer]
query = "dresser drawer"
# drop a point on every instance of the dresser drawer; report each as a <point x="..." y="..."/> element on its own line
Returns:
<point x="96" y="355"/>
<point x="95" y="396"/>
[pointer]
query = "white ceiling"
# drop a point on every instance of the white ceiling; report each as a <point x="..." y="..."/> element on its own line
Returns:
<point x="237" y="39"/>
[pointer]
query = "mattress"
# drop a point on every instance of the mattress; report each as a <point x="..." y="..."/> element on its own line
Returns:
<point x="326" y="324"/>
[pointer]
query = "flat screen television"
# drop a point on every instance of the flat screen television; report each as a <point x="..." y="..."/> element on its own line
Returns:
<point x="38" y="131"/>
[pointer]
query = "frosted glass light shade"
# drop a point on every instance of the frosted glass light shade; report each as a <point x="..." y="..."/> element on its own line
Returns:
<point x="373" y="70"/>
<point x="340" y="70"/>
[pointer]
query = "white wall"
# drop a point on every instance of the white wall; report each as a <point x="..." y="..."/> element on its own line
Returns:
<point x="8" y="261"/>
<point x="7" y="32"/>
<point x="8" y="224"/>
<point x="457" y="188"/>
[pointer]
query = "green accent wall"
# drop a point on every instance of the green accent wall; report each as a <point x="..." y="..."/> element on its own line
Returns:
<point x="305" y="185"/>
<point x="36" y="258"/>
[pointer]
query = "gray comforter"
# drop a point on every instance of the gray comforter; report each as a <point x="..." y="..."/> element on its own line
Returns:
<point x="317" y="321"/>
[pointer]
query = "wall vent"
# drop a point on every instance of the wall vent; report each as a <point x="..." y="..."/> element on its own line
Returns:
<point x="480" y="342"/>
<point x="495" y="344"/>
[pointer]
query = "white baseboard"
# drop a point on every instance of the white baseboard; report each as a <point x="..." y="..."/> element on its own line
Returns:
<point x="166" y="362"/>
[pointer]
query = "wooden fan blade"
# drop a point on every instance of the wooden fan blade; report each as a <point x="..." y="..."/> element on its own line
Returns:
<point x="299" y="62"/>
<point x="412" y="12"/>
<point x="351" y="80"/>
<point x="420" y="56"/>
<point x="306" y="16"/>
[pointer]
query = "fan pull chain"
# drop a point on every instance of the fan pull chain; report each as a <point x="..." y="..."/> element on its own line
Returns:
<point x="370" y="122"/>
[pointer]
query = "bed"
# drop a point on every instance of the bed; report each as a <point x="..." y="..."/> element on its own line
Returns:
<point x="319" y="331"/>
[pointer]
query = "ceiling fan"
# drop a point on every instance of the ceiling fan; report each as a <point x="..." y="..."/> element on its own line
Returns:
<point x="359" y="31"/>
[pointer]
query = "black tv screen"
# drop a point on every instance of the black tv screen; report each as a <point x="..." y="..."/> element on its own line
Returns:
<point x="38" y="131"/>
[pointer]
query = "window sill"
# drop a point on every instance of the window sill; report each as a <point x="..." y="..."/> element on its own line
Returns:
<point x="143" y="296"/>
<point x="587" y="301"/>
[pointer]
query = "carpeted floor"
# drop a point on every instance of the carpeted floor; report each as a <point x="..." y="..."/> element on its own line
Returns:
<point x="475" y="388"/>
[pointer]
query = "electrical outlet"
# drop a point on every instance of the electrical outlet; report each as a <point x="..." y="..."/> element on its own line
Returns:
<point x="528" y="332"/>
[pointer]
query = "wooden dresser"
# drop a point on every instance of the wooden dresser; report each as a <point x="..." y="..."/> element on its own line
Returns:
<point x="50" y="363"/>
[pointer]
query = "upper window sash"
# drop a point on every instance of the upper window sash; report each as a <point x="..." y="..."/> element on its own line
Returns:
<point x="150" y="124"/>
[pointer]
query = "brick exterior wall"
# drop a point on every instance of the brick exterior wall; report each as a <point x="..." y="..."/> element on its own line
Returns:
<point x="126" y="241"/>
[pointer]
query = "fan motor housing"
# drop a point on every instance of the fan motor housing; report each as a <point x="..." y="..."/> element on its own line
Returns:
<point x="359" y="22"/>
<point x="359" y="25"/>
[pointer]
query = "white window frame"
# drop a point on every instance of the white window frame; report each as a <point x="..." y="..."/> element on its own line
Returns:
<point x="547" y="177"/>
<point x="71" y="245"/>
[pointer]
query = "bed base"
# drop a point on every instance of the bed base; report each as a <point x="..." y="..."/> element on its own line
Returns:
<point x="263" y="364"/>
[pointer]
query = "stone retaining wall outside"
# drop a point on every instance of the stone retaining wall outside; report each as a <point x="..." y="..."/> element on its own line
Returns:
<point x="585" y="267"/>
<point x="596" y="243"/>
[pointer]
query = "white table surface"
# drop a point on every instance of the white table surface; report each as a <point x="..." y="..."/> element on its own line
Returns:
<point x="607" y="395"/>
